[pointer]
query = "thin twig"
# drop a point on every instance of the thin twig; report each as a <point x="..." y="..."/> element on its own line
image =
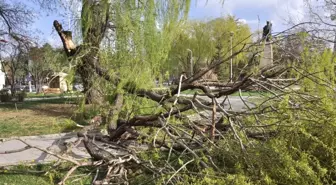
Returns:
<point x="183" y="166"/>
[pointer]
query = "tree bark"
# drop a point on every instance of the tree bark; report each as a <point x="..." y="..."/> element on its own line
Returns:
<point x="39" y="87"/>
<point x="88" y="77"/>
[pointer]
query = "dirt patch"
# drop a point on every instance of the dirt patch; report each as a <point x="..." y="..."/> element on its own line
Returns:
<point x="62" y="110"/>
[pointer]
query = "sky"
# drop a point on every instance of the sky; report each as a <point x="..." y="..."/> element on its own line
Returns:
<point x="277" y="11"/>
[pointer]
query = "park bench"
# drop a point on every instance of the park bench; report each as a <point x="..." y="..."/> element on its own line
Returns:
<point x="52" y="91"/>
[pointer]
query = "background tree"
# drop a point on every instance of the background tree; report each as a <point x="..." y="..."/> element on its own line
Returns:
<point x="208" y="40"/>
<point x="42" y="63"/>
<point x="14" y="62"/>
<point x="15" y="18"/>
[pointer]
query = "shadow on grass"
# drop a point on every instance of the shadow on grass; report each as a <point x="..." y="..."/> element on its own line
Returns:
<point x="39" y="117"/>
<point x="35" y="103"/>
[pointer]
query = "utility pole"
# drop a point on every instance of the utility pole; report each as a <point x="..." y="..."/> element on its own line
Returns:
<point x="231" y="60"/>
<point x="191" y="62"/>
<point x="334" y="50"/>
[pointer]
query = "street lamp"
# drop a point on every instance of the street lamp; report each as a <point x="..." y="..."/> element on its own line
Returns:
<point x="231" y="60"/>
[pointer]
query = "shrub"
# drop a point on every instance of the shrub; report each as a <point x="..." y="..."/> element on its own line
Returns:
<point x="5" y="95"/>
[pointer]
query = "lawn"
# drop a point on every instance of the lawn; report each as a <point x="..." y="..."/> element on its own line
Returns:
<point x="37" y="117"/>
<point x="42" y="174"/>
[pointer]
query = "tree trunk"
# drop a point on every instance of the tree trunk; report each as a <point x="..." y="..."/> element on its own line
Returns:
<point x="12" y="85"/>
<point x="38" y="86"/>
<point x="88" y="77"/>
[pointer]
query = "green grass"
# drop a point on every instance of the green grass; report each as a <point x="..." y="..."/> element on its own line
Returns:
<point x="38" y="117"/>
<point x="40" y="95"/>
<point x="191" y="92"/>
<point x="42" y="175"/>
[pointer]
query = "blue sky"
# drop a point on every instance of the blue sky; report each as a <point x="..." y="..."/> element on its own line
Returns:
<point x="278" y="11"/>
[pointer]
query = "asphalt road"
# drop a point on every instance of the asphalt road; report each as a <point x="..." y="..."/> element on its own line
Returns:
<point x="234" y="103"/>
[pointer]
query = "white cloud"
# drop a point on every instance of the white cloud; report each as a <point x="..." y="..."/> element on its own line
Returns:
<point x="279" y="11"/>
<point x="242" y="21"/>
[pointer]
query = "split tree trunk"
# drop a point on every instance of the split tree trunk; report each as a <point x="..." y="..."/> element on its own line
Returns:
<point x="94" y="19"/>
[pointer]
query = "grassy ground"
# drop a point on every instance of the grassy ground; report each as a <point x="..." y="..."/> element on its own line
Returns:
<point x="37" y="117"/>
<point x="41" y="175"/>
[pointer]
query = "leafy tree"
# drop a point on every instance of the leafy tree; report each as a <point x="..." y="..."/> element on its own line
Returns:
<point x="43" y="62"/>
<point x="206" y="41"/>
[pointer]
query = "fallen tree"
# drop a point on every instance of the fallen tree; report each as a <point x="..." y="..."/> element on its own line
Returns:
<point x="282" y="136"/>
<point x="176" y="134"/>
<point x="203" y="138"/>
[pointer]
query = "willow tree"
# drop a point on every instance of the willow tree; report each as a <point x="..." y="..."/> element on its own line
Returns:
<point x="207" y="41"/>
<point x="142" y="32"/>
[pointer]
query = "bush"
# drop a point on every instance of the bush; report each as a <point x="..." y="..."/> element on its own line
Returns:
<point x="5" y="95"/>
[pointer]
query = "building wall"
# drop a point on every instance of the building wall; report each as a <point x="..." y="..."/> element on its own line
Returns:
<point x="2" y="77"/>
<point x="59" y="82"/>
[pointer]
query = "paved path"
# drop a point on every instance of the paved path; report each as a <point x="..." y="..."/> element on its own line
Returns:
<point x="234" y="101"/>
<point x="55" y="143"/>
<point x="50" y="98"/>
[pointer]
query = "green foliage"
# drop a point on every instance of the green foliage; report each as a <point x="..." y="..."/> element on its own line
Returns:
<point x="42" y="174"/>
<point x="134" y="105"/>
<point x="298" y="145"/>
<point x="43" y="62"/>
<point x="143" y="39"/>
<point x="208" y="41"/>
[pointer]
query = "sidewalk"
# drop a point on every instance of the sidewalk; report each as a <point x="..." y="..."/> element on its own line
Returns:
<point x="42" y="98"/>
<point x="55" y="143"/>
<point x="51" y="98"/>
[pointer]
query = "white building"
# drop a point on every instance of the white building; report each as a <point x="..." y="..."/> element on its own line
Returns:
<point x="2" y="77"/>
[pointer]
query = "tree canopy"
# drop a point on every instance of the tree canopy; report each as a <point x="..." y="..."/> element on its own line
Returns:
<point x="206" y="40"/>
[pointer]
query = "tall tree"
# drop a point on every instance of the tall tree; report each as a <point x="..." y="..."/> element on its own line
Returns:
<point x="143" y="31"/>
